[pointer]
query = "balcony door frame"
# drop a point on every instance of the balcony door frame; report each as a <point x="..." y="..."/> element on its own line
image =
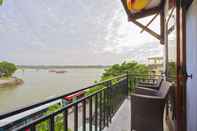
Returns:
<point x="182" y="76"/>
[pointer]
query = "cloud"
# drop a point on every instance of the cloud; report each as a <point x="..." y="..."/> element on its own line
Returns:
<point x="124" y="38"/>
<point x="71" y="32"/>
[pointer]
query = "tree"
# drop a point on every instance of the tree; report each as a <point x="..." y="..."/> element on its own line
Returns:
<point x="119" y="69"/>
<point x="7" y="68"/>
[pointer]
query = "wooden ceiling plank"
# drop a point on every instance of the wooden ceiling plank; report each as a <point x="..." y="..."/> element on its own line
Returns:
<point x="124" y="2"/>
<point x="171" y="13"/>
<point x="145" y="13"/>
<point x="171" y="29"/>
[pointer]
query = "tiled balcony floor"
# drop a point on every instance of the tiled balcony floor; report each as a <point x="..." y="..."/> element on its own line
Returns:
<point x="121" y="120"/>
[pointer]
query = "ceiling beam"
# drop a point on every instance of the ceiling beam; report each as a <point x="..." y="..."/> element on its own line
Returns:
<point x="145" y="28"/>
<point x="149" y="22"/>
<point x="162" y="22"/>
<point x="124" y="3"/>
<point x="171" y="29"/>
<point x="145" y="13"/>
<point x="171" y="14"/>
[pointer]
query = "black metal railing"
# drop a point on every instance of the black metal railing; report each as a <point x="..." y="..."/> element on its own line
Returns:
<point x="91" y="112"/>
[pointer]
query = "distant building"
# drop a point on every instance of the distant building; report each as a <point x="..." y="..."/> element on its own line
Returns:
<point x="155" y="65"/>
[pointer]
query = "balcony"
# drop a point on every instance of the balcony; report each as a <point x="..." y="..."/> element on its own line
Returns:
<point x="106" y="108"/>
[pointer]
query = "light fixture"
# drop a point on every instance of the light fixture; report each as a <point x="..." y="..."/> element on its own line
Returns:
<point x="137" y="5"/>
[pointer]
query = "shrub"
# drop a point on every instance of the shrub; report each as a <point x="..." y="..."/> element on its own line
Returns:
<point x="119" y="69"/>
<point x="7" y="68"/>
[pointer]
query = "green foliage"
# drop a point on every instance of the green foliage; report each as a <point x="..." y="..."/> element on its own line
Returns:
<point x="171" y="69"/>
<point x="92" y="90"/>
<point x="59" y="125"/>
<point x="1" y="2"/>
<point x="7" y="68"/>
<point x="53" y="108"/>
<point x="119" y="69"/>
<point x="43" y="126"/>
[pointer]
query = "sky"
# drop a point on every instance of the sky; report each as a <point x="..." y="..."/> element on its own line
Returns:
<point x="72" y="32"/>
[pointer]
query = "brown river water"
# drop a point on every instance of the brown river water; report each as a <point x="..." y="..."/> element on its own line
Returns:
<point x="40" y="85"/>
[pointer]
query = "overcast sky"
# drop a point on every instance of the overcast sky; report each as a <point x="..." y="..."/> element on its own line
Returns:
<point x="72" y="32"/>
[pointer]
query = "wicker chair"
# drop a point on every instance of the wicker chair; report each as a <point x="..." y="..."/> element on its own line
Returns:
<point x="147" y="108"/>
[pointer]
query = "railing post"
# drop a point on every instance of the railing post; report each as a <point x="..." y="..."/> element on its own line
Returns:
<point x="134" y="82"/>
<point x="65" y="114"/>
<point x="106" y="104"/>
<point x="33" y="128"/>
<point x="127" y="77"/>
<point x="90" y="114"/>
<point x="96" y="112"/>
<point x="110" y="101"/>
<point x="104" y="108"/>
<point x="84" y="115"/>
<point x="100" y="111"/>
<point x="76" y="117"/>
<point x="51" y="123"/>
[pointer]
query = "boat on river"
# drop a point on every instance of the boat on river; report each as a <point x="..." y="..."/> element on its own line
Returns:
<point x="58" y="71"/>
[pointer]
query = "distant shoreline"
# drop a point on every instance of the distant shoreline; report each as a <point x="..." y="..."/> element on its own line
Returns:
<point x="13" y="81"/>
<point x="61" y="67"/>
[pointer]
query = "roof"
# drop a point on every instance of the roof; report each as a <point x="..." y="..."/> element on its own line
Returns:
<point x="137" y="9"/>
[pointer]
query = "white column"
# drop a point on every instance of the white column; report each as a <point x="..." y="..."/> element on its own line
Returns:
<point x="191" y="52"/>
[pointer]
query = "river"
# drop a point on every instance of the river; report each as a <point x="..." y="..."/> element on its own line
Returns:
<point x="40" y="85"/>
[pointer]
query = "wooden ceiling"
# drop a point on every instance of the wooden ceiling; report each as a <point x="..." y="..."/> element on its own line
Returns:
<point x="154" y="7"/>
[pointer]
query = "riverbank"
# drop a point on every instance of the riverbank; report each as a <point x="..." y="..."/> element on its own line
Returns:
<point x="13" y="81"/>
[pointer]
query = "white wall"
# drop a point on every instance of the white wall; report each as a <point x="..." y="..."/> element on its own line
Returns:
<point x="192" y="67"/>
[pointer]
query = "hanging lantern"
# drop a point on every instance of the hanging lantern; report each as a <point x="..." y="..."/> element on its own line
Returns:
<point x="137" y="5"/>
